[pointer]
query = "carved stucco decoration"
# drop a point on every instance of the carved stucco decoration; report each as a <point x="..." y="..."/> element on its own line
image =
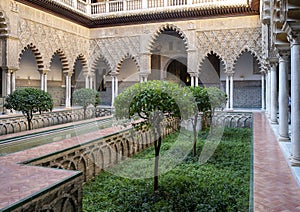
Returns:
<point x="114" y="50"/>
<point x="50" y="40"/>
<point x="229" y="45"/>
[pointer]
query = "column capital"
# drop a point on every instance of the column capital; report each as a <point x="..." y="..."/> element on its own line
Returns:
<point x="114" y="74"/>
<point x="45" y="71"/>
<point x="229" y="73"/>
<point x="284" y="54"/>
<point x="10" y="69"/>
<point x="193" y="74"/>
<point x="69" y="74"/>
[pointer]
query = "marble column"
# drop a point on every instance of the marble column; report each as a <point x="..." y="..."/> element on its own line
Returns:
<point x="13" y="81"/>
<point x="274" y="97"/>
<point x="227" y="91"/>
<point x="45" y="82"/>
<point x="268" y="93"/>
<point x="112" y="90"/>
<point x="192" y="81"/>
<point x="263" y="99"/>
<point x="116" y="86"/>
<point x="68" y="91"/>
<point x="42" y="81"/>
<point x="8" y="82"/>
<point x="86" y="76"/>
<point x="196" y="81"/>
<point x="295" y="100"/>
<point x="231" y="92"/>
<point x="283" y="96"/>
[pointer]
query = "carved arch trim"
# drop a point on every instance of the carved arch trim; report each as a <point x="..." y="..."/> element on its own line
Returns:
<point x="163" y="28"/>
<point x="37" y="54"/>
<point x="127" y="56"/>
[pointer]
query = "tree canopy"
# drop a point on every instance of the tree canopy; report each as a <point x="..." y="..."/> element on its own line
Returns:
<point x="85" y="97"/>
<point x="152" y="101"/>
<point x="29" y="101"/>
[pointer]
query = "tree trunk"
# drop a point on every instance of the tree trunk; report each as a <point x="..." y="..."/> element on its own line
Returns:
<point x="195" y="134"/>
<point x="84" y="113"/>
<point x="29" y="118"/>
<point x="157" y="144"/>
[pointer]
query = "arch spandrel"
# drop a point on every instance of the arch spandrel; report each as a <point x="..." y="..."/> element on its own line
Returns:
<point x="163" y="28"/>
<point x="229" y="43"/>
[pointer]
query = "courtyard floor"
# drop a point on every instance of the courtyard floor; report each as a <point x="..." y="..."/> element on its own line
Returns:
<point x="275" y="185"/>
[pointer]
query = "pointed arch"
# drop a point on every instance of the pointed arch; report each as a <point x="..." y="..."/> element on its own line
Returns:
<point x="127" y="56"/>
<point x="63" y="59"/>
<point x="37" y="55"/>
<point x="167" y="27"/>
<point x="82" y="59"/>
<point x="206" y="56"/>
<point x="99" y="59"/>
<point x="252" y="52"/>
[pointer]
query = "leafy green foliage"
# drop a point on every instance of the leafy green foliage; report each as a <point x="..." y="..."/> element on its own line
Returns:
<point x="217" y="98"/>
<point x="85" y="97"/>
<point x="222" y="184"/>
<point x="152" y="101"/>
<point x="201" y="98"/>
<point x="143" y="99"/>
<point x="29" y="101"/>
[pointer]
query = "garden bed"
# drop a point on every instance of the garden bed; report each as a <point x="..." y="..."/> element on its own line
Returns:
<point x="221" y="184"/>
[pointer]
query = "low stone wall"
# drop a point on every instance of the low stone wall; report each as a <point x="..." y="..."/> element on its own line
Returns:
<point x="13" y="124"/>
<point x="63" y="197"/>
<point x="103" y="152"/>
<point x="233" y="119"/>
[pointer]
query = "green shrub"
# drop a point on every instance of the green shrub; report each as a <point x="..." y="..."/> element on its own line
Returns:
<point x="222" y="184"/>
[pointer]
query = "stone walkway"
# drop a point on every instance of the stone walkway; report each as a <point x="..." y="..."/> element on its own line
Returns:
<point x="275" y="188"/>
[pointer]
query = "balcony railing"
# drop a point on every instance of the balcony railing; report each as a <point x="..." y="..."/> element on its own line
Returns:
<point x="114" y="6"/>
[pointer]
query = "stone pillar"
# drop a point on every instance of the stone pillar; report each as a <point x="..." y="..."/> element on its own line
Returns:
<point x="283" y="96"/>
<point x="227" y="91"/>
<point x="196" y="81"/>
<point x="112" y="89"/>
<point x="295" y="99"/>
<point x="192" y="81"/>
<point x="268" y="93"/>
<point x="116" y="86"/>
<point x="13" y="81"/>
<point x="10" y="79"/>
<point x="274" y="98"/>
<point x="263" y="99"/>
<point x="231" y="92"/>
<point x="68" y="90"/>
<point x="46" y="82"/>
<point x="42" y="81"/>
<point x="86" y="76"/>
<point x="8" y="82"/>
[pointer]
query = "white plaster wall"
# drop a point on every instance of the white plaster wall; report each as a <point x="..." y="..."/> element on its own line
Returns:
<point x="28" y="67"/>
<point x="244" y="68"/>
<point x="128" y="71"/>
<point x="55" y="73"/>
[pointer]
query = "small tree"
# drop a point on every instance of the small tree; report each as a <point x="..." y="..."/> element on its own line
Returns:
<point x="202" y="105"/>
<point x="217" y="99"/>
<point x="29" y="101"/>
<point x="152" y="101"/>
<point x="86" y="97"/>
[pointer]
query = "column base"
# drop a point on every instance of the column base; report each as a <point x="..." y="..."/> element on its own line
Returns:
<point x="295" y="161"/>
<point x="284" y="138"/>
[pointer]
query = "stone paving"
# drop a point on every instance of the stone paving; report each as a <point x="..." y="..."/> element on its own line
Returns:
<point x="275" y="188"/>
